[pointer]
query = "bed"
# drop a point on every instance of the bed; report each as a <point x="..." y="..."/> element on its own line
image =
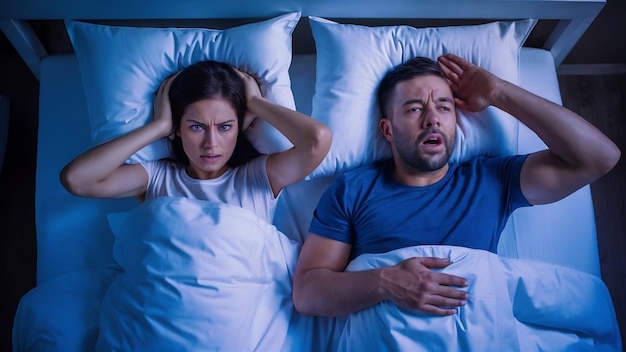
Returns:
<point x="204" y="290"/>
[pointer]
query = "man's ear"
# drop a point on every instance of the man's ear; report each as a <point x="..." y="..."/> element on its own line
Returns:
<point x="385" y="128"/>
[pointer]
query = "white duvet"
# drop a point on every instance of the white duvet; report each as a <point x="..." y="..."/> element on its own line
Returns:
<point x="198" y="276"/>
<point x="514" y="305"/>
<point x="205" y="276"/>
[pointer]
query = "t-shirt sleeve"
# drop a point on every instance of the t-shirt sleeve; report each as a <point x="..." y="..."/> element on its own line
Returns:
<point x="150" y="167"/>
<point x="331" y="218"/>
<point x="153" y="168"/>
<point x="254" y="189"/>
<point x="257" y="178"/>
<point x="511" y="174"/>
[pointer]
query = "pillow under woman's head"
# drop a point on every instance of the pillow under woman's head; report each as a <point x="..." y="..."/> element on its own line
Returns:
<point x="122" y="68"/>
<point x="352" y="59"/>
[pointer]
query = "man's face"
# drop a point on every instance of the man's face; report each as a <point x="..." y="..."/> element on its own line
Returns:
<point x="421" y="123"/>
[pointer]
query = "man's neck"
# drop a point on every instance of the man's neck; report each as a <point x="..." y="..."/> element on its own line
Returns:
<point x="414" y="178"/>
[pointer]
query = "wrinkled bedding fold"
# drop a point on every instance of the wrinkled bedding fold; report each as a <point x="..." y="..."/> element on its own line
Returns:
<point x="198" y="275"/>
<point x="514" y="305"/>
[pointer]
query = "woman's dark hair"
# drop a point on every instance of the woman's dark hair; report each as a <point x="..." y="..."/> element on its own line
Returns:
<point x="417" y="66"/>
<point x="206" y="80"/>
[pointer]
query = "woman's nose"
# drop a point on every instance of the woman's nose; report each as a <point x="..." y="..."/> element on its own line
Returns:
<point x="209" y="138"/>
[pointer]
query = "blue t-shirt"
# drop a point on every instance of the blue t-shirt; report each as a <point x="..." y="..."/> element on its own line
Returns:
<point x="469" y="207"/>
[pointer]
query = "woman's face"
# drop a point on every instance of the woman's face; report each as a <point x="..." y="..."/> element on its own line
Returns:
<point x="208" y="131"/>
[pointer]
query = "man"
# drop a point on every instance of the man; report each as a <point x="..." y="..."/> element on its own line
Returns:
<point x="419" y="198"/>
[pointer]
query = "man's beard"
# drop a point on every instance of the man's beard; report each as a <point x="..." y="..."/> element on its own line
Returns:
<point x="408" y="151"/>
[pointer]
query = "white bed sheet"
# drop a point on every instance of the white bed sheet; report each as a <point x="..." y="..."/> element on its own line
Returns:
<point x="562" y="233"/>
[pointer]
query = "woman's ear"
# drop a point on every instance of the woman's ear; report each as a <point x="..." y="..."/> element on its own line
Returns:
<point x="385" y="128"/>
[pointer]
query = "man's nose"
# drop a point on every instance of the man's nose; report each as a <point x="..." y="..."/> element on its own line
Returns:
<point x="431" y="117"/>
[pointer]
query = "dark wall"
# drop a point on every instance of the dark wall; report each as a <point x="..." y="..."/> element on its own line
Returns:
<point x="18" y="252"/>
<point x="604" y="42"/>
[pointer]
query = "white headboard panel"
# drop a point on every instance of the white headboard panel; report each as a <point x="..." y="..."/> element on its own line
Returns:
<point x="573" y="16"/>
<point x="160" y="9"/>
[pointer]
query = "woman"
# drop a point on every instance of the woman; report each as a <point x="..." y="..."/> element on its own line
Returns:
<point x="205" y="108"/>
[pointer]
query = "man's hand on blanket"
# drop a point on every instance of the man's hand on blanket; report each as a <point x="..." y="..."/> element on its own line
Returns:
<point x="412" y="284"/>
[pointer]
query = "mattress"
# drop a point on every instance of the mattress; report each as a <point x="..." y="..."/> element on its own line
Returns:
<point x="74" y="239"/>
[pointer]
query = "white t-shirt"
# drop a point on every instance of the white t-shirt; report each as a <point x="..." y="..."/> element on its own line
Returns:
<point x="246" y="186"/>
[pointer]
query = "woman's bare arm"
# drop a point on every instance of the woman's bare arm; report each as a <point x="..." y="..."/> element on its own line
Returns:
<point x="311" y="139"/>
<point x="100" y="172"/>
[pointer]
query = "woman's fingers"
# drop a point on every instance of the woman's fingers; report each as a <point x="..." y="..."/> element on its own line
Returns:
<point x="164" y="88"/>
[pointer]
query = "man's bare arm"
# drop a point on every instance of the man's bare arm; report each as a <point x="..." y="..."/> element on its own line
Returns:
<point x="578" y="153"/>
<point x="322" y="287"/>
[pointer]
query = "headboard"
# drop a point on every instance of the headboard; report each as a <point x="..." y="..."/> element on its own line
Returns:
<point x="562" y="22"/>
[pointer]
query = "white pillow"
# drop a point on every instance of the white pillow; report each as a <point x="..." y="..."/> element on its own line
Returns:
<point x="122" y="68"/>
<point x="352" y="59"/>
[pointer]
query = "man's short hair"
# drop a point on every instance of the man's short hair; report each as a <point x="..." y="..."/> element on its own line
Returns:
<point x="417" y="66"/>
